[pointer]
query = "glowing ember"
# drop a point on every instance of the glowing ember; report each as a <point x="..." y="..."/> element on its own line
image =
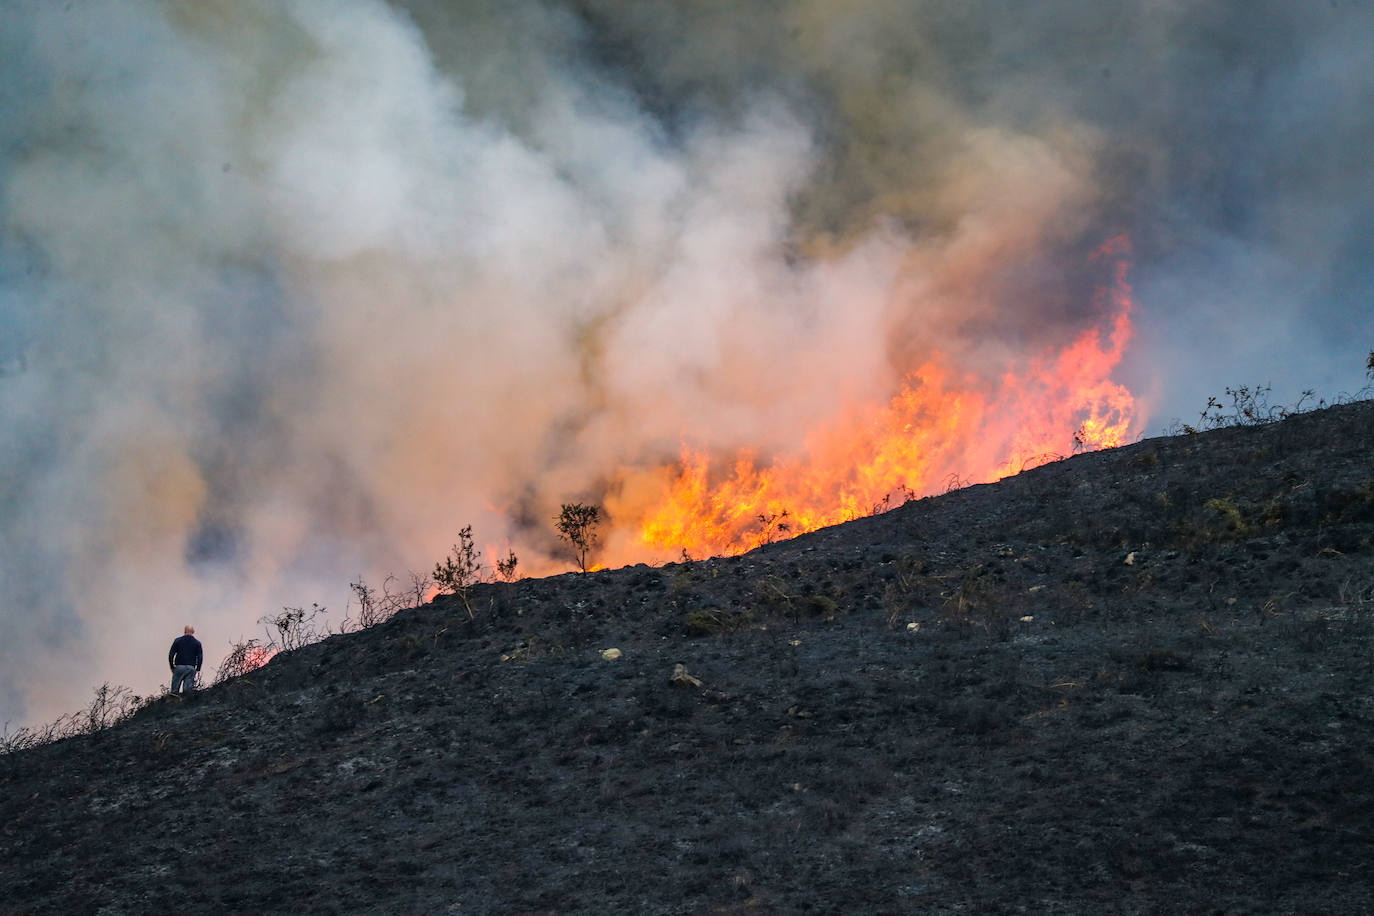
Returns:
<point x="943" y="428"/>
<point x="256" y="656"/>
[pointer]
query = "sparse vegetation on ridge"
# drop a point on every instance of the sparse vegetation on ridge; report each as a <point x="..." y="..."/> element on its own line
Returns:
<point x="110" y="705"/>
<point x="1249" y="405"/>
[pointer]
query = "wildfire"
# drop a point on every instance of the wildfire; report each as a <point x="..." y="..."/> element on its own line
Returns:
<point x="943" y="428"/>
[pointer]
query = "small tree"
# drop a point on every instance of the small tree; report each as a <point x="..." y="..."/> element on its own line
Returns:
<point x="1369" y="366"/>
<point x="576" y="524"/>
<point x="461" y="569"/>
<point x="505" y="566"/>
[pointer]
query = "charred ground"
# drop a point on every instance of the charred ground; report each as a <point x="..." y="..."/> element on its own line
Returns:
<point x="1133" y="681"/>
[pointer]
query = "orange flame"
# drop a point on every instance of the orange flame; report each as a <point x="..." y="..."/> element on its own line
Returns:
<point x="942" y="429"/>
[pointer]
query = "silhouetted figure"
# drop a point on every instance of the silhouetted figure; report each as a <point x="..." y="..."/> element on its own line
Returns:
<point x="185" y="659"/>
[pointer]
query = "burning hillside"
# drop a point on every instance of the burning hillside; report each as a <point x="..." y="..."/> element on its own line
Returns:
<point x="1133" y="681"/>
<point x="944" y="428"/>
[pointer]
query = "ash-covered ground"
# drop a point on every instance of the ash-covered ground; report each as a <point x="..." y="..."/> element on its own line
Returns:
<point x="1135" y="681"/>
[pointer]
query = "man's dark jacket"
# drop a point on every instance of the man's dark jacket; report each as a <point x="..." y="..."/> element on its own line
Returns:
<point x="185" y="651"/>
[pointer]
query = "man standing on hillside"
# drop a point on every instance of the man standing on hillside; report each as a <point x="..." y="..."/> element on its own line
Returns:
<point x="185" y="659"/>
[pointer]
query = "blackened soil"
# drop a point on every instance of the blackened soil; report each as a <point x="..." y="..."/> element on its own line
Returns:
<point x="1134" y="681"/>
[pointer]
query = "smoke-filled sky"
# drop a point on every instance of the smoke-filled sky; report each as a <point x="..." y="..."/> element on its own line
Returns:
<point x="291" y="290"/>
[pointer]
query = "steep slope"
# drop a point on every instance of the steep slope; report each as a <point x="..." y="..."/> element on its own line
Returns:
<point x="1131" y="681"/>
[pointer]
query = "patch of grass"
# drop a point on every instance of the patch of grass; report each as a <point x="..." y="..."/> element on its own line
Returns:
<point x="1222" y="519"/>
<point x="712" y="622"/>
<point x="1145" y="461"/>
<point x="1227" y="520"/>
<point x="1345" y="506"/>
<point x="822" y="606"/>
<point x="410" y="646"/>
<point x="978" y="602"/>
<point x="773" y="594"/>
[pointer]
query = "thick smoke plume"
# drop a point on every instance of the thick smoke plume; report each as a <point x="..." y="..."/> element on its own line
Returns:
<point x="291" y="289"/>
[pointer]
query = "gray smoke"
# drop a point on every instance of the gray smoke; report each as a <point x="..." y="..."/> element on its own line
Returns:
<point x="290" y="290"/>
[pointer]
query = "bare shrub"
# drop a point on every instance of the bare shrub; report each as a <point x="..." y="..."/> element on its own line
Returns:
<point x="244" y="657"/>
<point x="375" y="608"/>
<point x="109" y="706"/>
<point x="417" y="593"/>
<point x="372" y="607"/>
<point x="1031" y="462"/>
<point x="369" y="614"/>
<point x="899" y="496"/>
<point x="293" y="628"/>
<point x="1249" y="406"/>
<point x="773" y="526"/>
<point x="955" y="482"/>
